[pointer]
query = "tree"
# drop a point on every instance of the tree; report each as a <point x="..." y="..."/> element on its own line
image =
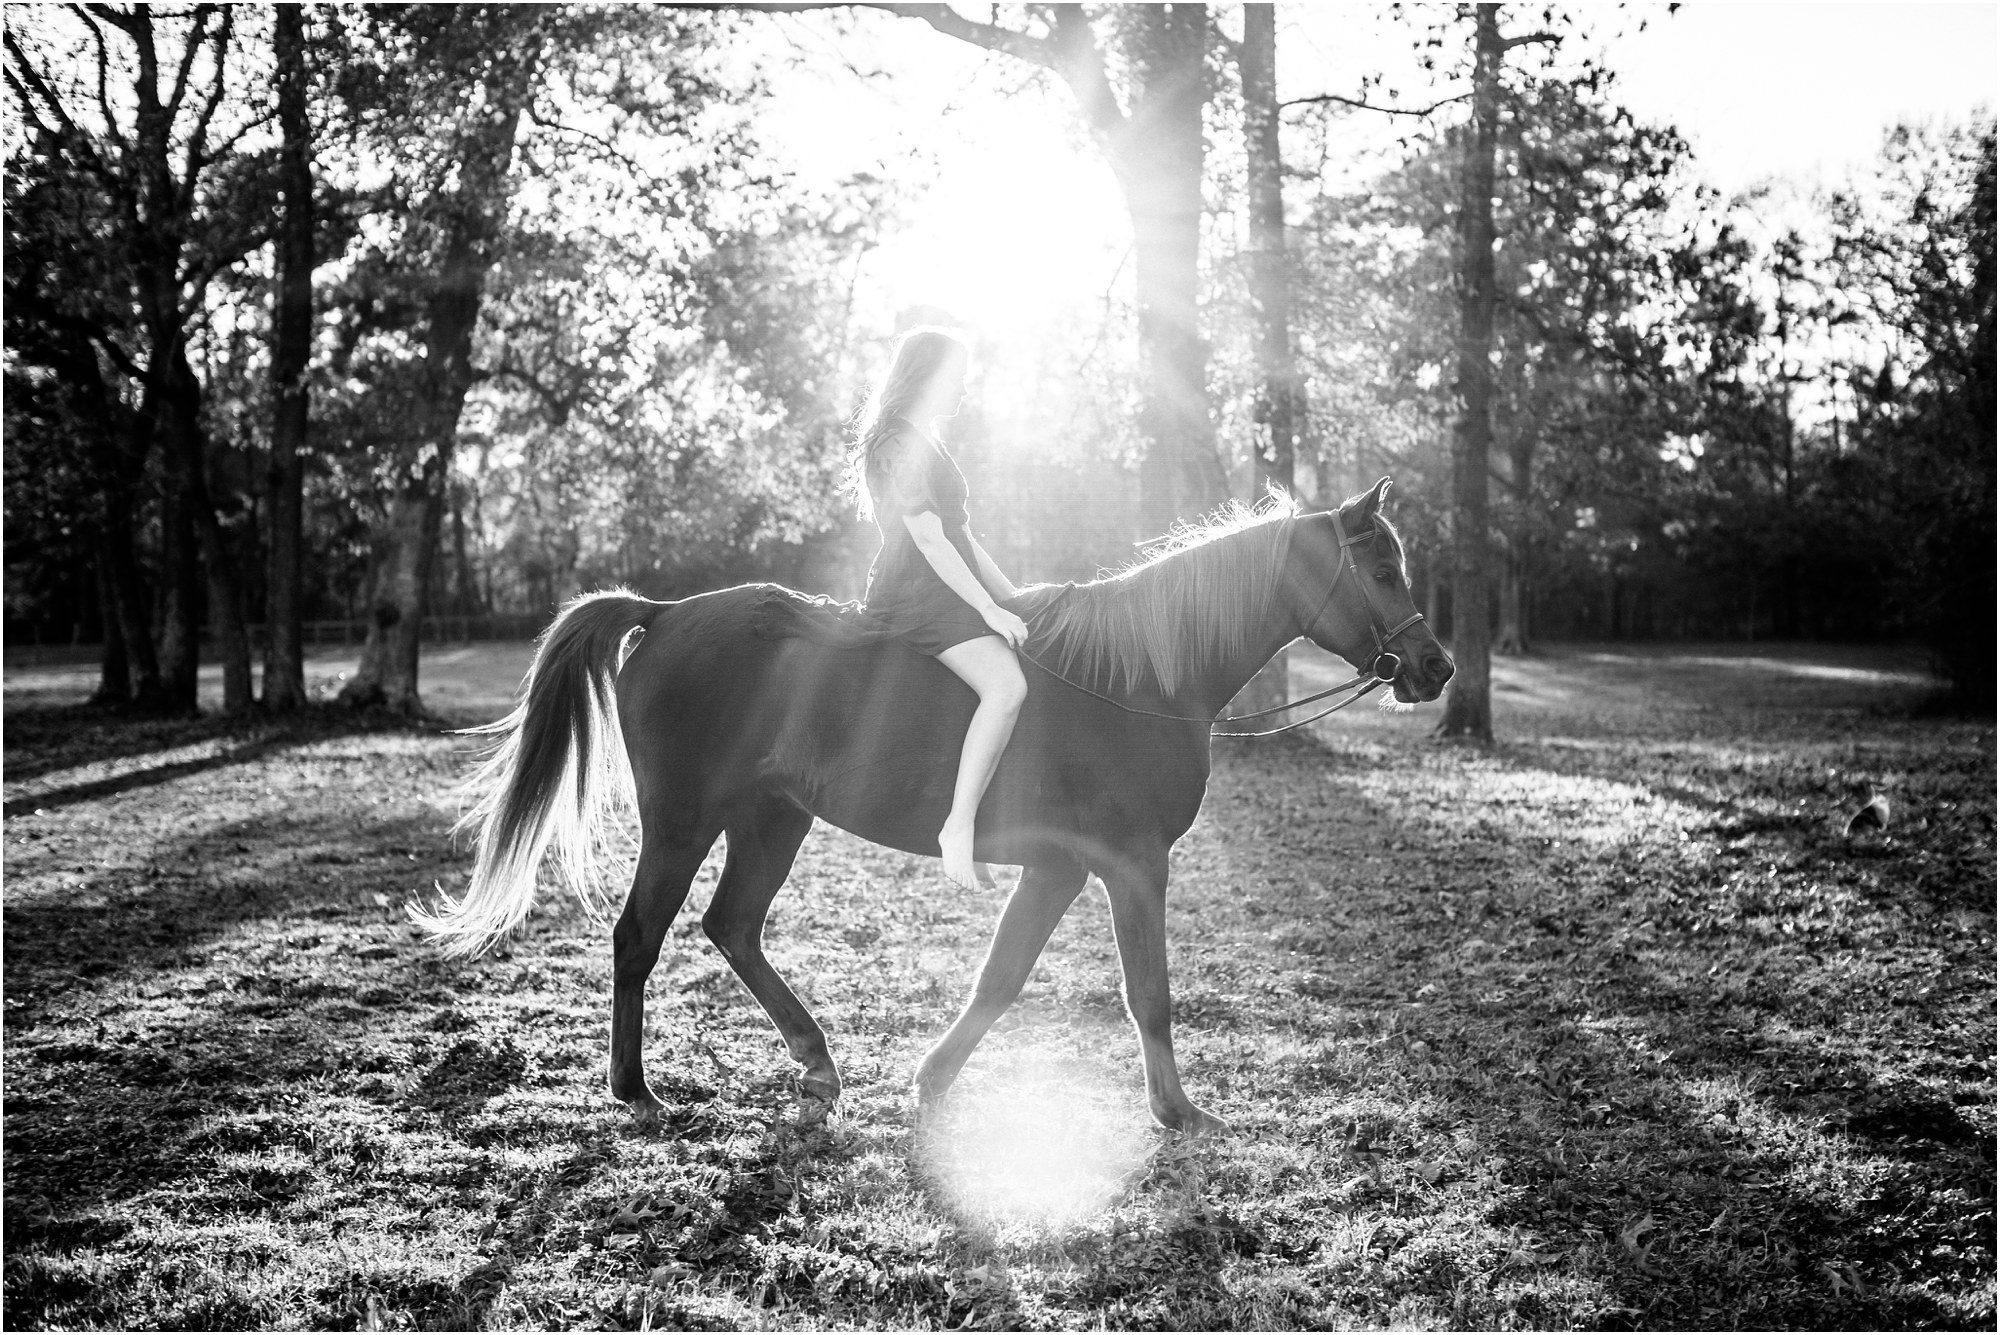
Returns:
<point x="1151" y="135"/>
<point x="1469" y="706"/>
<point x="156" y="134"/>
<point x="1918" y="269"/>
<point x="284" y="663"/>
<point x="1582" y="334"/>
<point x="474" y="69"/>
<point x="1273" y="413"/>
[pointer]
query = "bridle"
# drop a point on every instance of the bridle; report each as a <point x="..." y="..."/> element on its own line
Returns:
<point x="1382" y="667"/>
<point x="1385" y="664"/>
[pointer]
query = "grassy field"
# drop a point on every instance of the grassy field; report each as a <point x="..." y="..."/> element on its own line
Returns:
<point x="1609" y="1026"/>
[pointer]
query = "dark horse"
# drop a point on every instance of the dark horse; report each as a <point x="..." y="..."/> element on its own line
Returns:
<point x="740" y="717"/>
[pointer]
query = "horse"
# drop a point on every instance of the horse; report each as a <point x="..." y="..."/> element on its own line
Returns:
<point x="743" y="714"/>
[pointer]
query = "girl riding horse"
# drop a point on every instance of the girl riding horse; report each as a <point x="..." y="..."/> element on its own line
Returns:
<point x="931" y="582"/>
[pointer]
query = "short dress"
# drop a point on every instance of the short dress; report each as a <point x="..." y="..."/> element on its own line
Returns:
<point x="909" y="474"/>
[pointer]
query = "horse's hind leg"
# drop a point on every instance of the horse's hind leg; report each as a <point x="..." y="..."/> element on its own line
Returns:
<point x="762" y="845"/>
<point x="1033" y="910"/>
<point x="659" y="884"/>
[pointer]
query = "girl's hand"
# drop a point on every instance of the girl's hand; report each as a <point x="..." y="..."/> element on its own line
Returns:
<point x="1006" y="625"/>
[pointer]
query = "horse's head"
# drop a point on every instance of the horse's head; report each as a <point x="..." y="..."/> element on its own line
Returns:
<point x="1352" y="597"/>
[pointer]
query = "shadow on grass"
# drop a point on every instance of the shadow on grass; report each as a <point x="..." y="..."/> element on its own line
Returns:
<point x="142" y="920"/>
<point x="1675" y="1100"/>
<point x="272" y="1045"/>
<point x="42" y="742"/>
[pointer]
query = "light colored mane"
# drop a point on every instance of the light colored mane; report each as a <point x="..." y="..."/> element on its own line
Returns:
<point x="1195" y="594"/>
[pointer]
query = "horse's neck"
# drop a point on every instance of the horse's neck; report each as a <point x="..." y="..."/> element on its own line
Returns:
<point x="1223" y="669"/>
<point x="1219" y="683"/>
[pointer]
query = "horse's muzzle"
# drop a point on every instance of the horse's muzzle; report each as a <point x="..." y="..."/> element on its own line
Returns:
<point x="1422" y="681"/>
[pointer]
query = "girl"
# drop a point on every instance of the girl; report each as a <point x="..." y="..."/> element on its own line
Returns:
<point x="931" y="581"/>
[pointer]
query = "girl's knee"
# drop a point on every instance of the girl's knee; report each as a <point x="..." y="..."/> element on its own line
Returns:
<point x="1004" y="690"/>
<point x="1012" y="690"/>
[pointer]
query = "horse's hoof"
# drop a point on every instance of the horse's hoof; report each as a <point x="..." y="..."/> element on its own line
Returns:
<point x="820" y="1088"/>
<point x="1193" y="1121"/>
<point x="646" y="1112"/>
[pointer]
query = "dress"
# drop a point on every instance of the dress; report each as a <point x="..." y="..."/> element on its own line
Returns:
<point x="909" y="474"/>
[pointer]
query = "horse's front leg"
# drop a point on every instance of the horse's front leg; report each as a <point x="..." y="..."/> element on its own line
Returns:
<point x="1138" y="892"/>
<point x="1033" y="910"/>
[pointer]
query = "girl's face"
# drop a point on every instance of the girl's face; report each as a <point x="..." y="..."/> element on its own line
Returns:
<point x="947" y="393"/>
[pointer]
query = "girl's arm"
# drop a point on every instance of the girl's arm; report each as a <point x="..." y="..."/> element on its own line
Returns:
<point x="989" y="573"/>
<point x="927" y="531"/>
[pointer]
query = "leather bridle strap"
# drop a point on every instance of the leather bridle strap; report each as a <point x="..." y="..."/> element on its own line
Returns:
<point x="1377" y="667"/>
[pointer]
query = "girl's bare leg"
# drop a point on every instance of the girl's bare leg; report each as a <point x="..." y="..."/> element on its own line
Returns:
<point x="989" y="667"/>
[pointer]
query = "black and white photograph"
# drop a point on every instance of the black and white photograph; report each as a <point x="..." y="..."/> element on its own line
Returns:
<point x="1060" y="667"/>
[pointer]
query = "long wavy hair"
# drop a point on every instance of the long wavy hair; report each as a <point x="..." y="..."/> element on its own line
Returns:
<point x="924" y="354"/>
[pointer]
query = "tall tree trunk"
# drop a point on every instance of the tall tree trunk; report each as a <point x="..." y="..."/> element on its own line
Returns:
<point x="1158" y="156"/>
<point x="1469" y="707"/>
<point x="127" y="600"/>
<point x="174" y="394"/>
<point x="1156" y="151"/>
<point x="1512" y="637"/>
<point x="1513" y="634"/>
<point x="123" y="444"/>
<point x="187" y="446"/>
<point x="180" y="611"/>
<point x="284" y="662"/>
<point x="1274" y="414"/>
<point x="114" y="675"/>
<point x="464" y="588"/>
<point x="400" y="565"/>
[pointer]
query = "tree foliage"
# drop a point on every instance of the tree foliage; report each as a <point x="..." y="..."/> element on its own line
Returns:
<point x="574" y="324"/>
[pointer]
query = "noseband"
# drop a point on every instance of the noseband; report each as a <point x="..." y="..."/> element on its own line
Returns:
<point x="1383" y="665"/>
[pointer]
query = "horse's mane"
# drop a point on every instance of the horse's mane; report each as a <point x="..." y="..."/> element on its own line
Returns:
<point x="1195" y="594"/>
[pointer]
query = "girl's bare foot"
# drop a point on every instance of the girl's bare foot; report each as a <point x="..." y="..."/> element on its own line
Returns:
<point x="955" y="842"/>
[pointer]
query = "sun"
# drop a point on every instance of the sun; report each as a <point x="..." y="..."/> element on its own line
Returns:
<point x="1007" y="218"/>
<point x="1021" y="229"/>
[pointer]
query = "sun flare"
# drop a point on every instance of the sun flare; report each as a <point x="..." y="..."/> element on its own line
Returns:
<point x="1035" y="1150"/>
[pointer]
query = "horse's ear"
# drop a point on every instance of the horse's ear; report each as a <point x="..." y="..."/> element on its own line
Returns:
<point x="1372" y="500"/>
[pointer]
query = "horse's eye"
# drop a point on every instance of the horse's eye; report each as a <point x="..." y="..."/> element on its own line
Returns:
<point x="1384" y="575"/>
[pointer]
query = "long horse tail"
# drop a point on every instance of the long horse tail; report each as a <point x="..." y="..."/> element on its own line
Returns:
<point x="542" y="788"/>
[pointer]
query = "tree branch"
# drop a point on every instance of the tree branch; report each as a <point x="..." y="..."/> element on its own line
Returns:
<point x="1081" y="65"/>
<point x="1370" y="106"/>
<point x="181" y="75"/>
<point x="104" y="82"/>
<point x="1022" y="46"/>
<point x="1546" y="38"/>
<point x="25" y="71"/>
<point x="1070" y="51"/>
<point x="123" y="20"/>
<point x="197" y="157"/>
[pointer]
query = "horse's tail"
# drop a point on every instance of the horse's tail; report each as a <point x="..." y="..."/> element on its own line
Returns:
<point x="563" y="735"/>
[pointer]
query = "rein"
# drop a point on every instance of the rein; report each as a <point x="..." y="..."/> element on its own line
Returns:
<point x="1382" y="668"/>
<point x="1368" y="682"/>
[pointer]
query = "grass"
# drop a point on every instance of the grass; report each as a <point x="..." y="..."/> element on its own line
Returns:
<point x="1607" y="1026"/>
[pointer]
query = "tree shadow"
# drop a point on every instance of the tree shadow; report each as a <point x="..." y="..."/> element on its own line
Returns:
<point x="1599" y="1064"/>
<point x="141" y="920"/>
<point x="42" y="742"/>
<point x="265" y="1042"/>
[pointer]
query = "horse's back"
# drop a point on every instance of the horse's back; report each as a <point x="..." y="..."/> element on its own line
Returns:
<point x="720" y="702"/>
